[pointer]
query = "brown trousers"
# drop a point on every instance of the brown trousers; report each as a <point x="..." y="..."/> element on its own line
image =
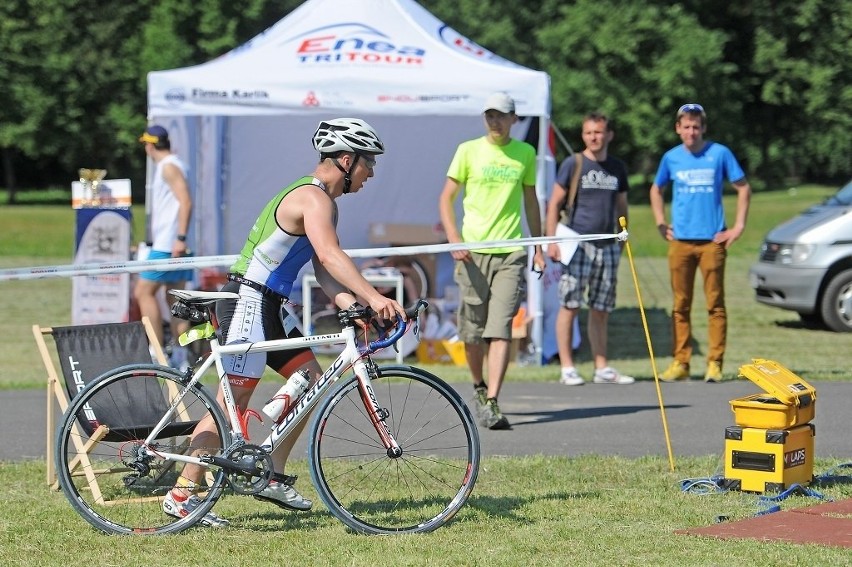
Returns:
<point x="685" y="258"/>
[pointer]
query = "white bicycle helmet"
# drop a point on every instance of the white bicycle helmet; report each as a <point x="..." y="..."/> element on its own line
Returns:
<point x="347" y="135"/>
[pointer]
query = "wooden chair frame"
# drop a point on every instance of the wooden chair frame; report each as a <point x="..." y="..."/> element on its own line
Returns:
<point x="57" y="395"/>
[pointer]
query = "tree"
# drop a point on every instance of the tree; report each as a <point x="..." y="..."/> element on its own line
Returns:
<point x="68" y="68"/>
<point x="76" y="72"/>
<point x="637" y="63"/>
<point x="773" y="74"/>
<point x="800" y="84"/>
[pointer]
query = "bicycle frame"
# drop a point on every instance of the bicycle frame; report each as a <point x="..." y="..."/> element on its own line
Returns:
<point x="352" y="356"/>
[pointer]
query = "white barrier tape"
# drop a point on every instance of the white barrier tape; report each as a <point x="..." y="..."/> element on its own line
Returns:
<point x="131" y="266"/>
<point x="171" y="264"/>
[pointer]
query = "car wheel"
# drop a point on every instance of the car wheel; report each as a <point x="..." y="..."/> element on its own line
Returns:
<point x="836" y="307"/>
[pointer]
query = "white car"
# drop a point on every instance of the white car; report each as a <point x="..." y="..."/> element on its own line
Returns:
<point x="805" y="264"/>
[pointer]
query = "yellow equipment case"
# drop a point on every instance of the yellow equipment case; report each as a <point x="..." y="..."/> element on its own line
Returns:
<point x="768" y="460"/>
<point x="789" y="401"/>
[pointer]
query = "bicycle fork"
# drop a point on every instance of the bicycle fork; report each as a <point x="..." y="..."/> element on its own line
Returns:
<point x="379" y="416"/>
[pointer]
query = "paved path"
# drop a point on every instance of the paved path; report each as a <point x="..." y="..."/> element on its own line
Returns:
<point x="552" y="419"/>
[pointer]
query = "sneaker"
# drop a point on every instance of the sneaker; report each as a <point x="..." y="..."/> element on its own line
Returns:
<point x="284" y="496"/>
<point x="609" y="375"/>
<point x="481" y="394"/>
<point x="570" y="377"/>
<point x="714" y="372"/>
<point x="676" y="371"/>
<point x="491" y="417"/>
<point x="182" y="509"/>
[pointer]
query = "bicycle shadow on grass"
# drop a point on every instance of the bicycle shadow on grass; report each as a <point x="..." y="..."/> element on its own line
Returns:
<point x="505" y="506"/>
<point x="540" y="417"/>
<point x="502" y="506"/>
<point x="277" y="520"/>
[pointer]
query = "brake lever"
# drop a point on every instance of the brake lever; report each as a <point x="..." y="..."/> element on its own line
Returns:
<point x="412" y="313"/>
<point x="383" y="330"/>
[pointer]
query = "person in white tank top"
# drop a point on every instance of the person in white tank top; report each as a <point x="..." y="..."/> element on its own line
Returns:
<point x="170" y="210"/>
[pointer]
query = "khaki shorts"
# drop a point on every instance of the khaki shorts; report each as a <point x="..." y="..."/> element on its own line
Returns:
<point x="491" y="287"/>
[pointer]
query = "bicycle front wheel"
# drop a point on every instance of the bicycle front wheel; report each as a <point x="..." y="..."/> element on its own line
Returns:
<point x="375" y="493"/>
<point x="112" y="479"/>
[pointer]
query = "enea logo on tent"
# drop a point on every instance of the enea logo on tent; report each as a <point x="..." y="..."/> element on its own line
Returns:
<point x="460" y="43"/>
<point x="354" y="43"/>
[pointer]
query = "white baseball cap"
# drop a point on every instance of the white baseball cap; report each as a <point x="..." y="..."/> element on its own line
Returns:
<point x="501" y="102"/>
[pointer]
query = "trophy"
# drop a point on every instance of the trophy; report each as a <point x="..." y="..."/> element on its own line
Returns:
<point x="91" y="180"/>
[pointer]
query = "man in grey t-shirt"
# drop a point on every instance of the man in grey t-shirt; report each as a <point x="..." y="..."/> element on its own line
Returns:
<point x="601" y="198"/>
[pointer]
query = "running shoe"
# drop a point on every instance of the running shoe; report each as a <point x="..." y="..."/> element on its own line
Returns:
<point x="284" y="496"/>
<point x="491" y="416"/>
<point x="676" y="371"/>
<point x="714" y="372"/>
<point x="609" y="375"/>
<point x="182" y="509"/>
<point x="570" y="377"/>
<point x="480" y="395"/>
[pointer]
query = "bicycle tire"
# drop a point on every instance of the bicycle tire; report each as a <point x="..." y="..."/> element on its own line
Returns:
<point x="374" y="493"/>
<point x="130" y="504"/>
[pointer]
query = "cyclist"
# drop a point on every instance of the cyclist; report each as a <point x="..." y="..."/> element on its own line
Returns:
<point x="297" y="225"/>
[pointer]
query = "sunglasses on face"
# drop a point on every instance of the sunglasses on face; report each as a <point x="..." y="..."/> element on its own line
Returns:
<point x="369" y="162"/>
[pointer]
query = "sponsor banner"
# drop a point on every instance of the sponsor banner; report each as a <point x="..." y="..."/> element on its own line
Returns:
<point x="102" y="237"/>
<point x="354" y="43"/>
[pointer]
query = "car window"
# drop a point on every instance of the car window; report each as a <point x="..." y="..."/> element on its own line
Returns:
<point x="842" y="198"/>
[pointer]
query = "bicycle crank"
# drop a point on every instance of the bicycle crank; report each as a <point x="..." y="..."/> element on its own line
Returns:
<point x="248" y="468"/>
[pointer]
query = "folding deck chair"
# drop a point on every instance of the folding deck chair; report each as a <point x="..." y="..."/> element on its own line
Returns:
<point x="85" y="352"/>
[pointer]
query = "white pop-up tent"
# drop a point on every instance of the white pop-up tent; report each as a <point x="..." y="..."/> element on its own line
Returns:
<point x="244" y="121"/>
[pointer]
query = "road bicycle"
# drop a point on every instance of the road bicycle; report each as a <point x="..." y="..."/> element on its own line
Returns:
<point x="391" y="449"/>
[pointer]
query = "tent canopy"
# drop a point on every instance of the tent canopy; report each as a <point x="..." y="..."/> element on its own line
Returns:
<point x="243" y="122"/>
<point x="350" y="56"/>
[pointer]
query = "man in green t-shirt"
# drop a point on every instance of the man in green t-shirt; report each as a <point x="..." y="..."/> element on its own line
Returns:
<point x="498" y="174"/>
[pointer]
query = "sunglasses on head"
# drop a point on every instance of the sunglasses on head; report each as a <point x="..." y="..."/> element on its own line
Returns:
<point x="690" y="107"/>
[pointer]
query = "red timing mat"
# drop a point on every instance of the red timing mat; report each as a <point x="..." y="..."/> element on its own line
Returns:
<point x="824" y="524"/>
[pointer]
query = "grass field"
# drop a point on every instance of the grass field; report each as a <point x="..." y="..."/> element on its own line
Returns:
<point x="588" y="510"/>
<point x="536" y="510"/>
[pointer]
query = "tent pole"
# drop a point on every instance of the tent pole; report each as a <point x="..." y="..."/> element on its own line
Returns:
<point x="562" y="140"/>
<point x="535" y="289"/>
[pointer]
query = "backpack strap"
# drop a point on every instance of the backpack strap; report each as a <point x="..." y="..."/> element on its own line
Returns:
<point x="573" y="188"/>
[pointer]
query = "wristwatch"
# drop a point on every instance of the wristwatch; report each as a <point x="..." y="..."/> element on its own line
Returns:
<point x="181" y="237"/>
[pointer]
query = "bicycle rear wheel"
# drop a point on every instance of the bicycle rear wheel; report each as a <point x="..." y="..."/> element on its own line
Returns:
<point x="374" y="493"/>
<point x="100" y="468"/>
